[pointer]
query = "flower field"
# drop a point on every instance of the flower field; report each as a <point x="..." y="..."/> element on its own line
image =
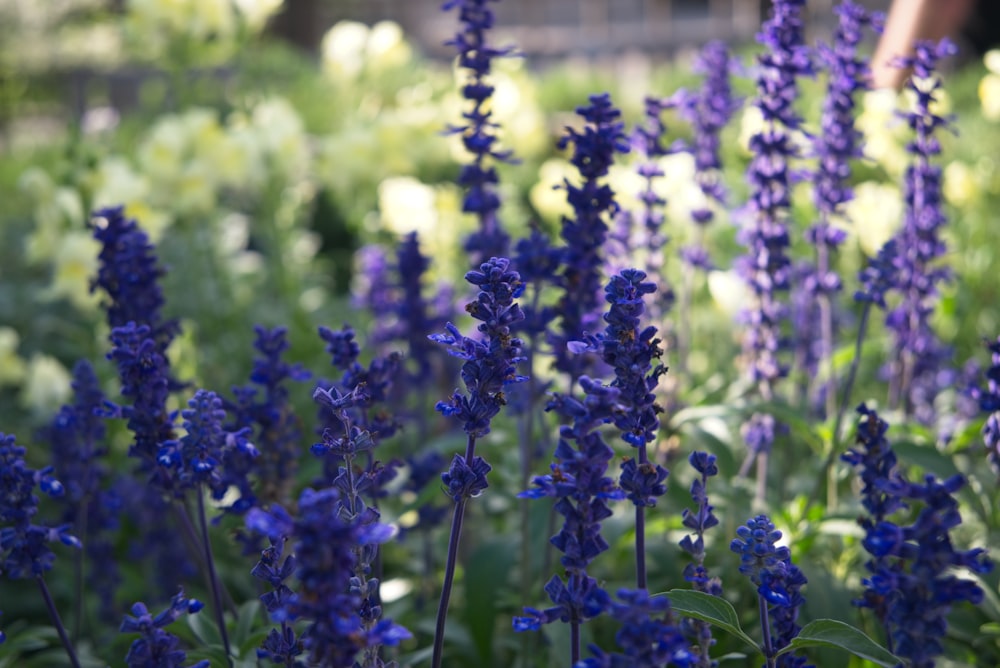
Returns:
<point x="381" y="361"/>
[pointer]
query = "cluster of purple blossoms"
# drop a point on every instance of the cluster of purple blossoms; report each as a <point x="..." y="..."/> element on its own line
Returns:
<point x="582" y="489"/>
<point x="645" y="236"/>
<point x="197" y="457"/>
<point x="264" y="406"/>
<point x="274" y="568"/>
<point x="90" y="505"/>
<point x="593" y="201"/>
<point x="766" y="267"/>
<point x="155" y="646"/>
<point x="708" y="111"/>
<point x="779" y="583"/>
<point x="358" y="401"/>
<point x="479" y="178"/>
<point x="491" y="362"/>
<point x="919" y="357"/>
<point x="647" y="637"/>
<point x="325" y="545"/>
<point x="24" y="546"/>
<point x="911" y="585"/>
<point x="695" y="571"/>
<point x="989" y="403"/>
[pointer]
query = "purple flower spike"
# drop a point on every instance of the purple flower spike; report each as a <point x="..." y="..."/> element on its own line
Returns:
<point x="479" y="178"/>
<point x="778" y="583"/>
<point x="490" y="363"/>
<point x="593" y="203"/>
<point x="155" y="646"/>
<point x="921" y="365"/>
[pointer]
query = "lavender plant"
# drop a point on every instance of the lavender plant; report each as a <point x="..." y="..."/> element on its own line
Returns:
<point x="778" y="583"/>
<point x="580" y="483"/>
<point x="593" y="201"/>
<point x="836" y="145"/>
<point x="919" y="357"/>
<point x="490" y="365"/>
<point x="479" y="178"/>
<point x="24" y="545"/>
<point x="766" y="267"/>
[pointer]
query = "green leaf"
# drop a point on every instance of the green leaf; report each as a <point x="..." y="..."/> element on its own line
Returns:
<point x="485" y="576"/>
<point x="712" y="609"/>
<point x="249" y="618"/>
<point x="831" y="633"/>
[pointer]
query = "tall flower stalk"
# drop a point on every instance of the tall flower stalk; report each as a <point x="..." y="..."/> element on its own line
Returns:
<point x="778" y="583"/>
<point x="766" y="267"/>
<point x="708" y="111"/>
<point x="585" y="233"/>
<point x="490" y="365"/>
<point x="918" y="355"/>
<point x="582" y="489"/>
<point x="695" y="572"/>
<point x="630" y="350"/>
<point x="24" y="545"/>
<point x="912" y="584"/>
<point x="479" y="177"/>
<point x="836" y="145"/>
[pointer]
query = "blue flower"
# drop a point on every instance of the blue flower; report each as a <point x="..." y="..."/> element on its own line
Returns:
<point x="490" y="362"/>
<point x="24" y="546"/>
<point x="989" y="403"/>
<point x="479" y="178"/>
<point x="593" y="203"/>
<point x="779" y="583"/>
<point x="647" y="637"/>
<point x="157" y="648"/>
<point x="708" y="111"/>
<point x="198" y="456"/>
<point x="264" y="406"/>
<point x="327" y="547"/>
<point x="129" y="275"/>
<point x="921" y="364"/>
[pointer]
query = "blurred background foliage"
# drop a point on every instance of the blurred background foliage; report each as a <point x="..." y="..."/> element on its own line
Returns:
<point x="259" y="168"/>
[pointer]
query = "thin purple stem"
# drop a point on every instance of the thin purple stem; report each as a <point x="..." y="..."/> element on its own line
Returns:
<point x="57" y="621"/>
<point x="765" y="625"/>
<point x="640" y="533"/>
<point x="213" y="577"/>
<point x="574" y="642"/>
<point x="449" y="568"/>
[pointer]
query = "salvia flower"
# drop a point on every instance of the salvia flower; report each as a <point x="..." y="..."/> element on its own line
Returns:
<point x="708" y="111"/>
<point x="642" y="233"/>
<point x="198" y="456"/>
<point x="129" y="275"/>
<point x="479" y="177"/>
<point x="91" y="506"/>
<point x="766" y="268"/>
<point x="582" y="488"/>
<point x="156" y="647"/>
<point x="264" y="406"/>
<point x="24" y="545"/>
<point x="699" y="521"/>
<point x="585" y="233"/>
<point x="280" y="646"/>
<point x="989" y="403"/>
<point x="325" y="545"/>
<point x="778" y="581"/>
<point x="919" y="357"/>
<point x="647" y="637"/>
<point x="911" y="585"/>
<point x="490" y="362"/>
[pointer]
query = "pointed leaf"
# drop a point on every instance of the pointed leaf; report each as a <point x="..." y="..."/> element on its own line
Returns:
<point x="712" y="609"/>
<point x="832" y="633"/>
